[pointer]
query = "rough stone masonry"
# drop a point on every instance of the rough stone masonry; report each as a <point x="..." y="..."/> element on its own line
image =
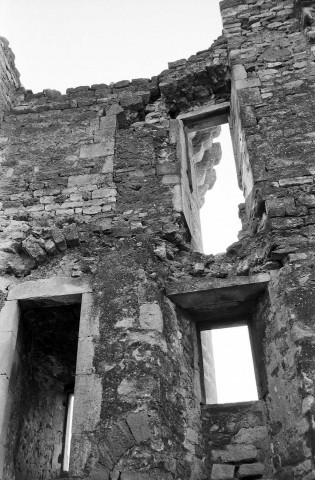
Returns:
<point x="104" y="289"/>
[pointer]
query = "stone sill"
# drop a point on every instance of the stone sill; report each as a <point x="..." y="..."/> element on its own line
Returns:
<point x="252" y="405"/>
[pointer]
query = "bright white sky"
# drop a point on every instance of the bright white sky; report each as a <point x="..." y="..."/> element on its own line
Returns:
<point x="67" y="43"/>
<point x="220" y="223"/>
<point x="233" y="361"/>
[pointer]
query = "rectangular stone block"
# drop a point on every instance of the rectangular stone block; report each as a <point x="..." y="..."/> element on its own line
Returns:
<point x="251" y="470"/>
<point x="92" y="210"/>
<point x="7" y="350"/>
<point x="51" y="287"/>
<point x="85" y="180"/>
<point x="105" y="134"/>
<point x="108" y="166"/>
<point x="87" y="403"/>
<point x="247" y="83"/>
<point x="235" y="453"/>
<point x="279" y="223"/>
<point x="89" y="317"/>
<point x="249" y="96"/>
<point x="139" y="426"/>
<point x="85" y="356"/>
<point x="80" y="452"/>
<point x="151" y="317"/>
<point x="5" y="400"/>
<point x="2" y="458"/>
<point x="239" y="72"/>
<point x="289" y="182"/>
<point x="108" y="122"/>
<point x="222" y="472"/>
<point x="9" y="317"/>
<point x="104" y="193"/>
<point x="97" y="149"/>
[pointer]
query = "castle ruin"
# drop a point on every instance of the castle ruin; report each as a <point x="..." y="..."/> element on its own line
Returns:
<point x="104" y="290"/>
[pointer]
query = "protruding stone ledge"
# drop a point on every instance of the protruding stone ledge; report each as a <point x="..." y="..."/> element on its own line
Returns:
<point x="215" y="284"/>
<point x="230" y="300"/>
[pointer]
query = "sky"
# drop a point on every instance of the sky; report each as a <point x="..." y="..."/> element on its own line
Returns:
<point x="67" y="43"/>
<point x="234" y="367"/>
<point x="220" y="223"/>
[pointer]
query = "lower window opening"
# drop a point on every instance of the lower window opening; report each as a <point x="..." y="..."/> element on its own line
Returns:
<point x="228" y="367"/>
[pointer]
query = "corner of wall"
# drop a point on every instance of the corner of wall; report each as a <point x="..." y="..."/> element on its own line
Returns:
<point x="9" y="77"/>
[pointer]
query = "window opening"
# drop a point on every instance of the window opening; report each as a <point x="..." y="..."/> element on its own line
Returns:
<point x="219" y="218"/>
<point x="206" y="149"/>
<point x="228" y="366"/>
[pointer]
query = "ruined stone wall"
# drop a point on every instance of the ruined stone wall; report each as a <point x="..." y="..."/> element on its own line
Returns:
<point x="238" y="437"/>
<point x="88" y="191"/>
<point x="9" y="77"/>
<point x="92" y="188"/>
<point x="272" y="90"/>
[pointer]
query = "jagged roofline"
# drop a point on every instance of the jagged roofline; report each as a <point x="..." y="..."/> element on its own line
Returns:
<point x="206" y="73"/>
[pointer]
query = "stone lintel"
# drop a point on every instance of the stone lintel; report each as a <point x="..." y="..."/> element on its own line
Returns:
<point x="55" y="287"/>
<point x="218" y="300"/>
<point x="203" y="114"/>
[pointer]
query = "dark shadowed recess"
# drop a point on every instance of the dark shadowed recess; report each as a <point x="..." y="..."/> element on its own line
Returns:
<point x="51" y="336"/>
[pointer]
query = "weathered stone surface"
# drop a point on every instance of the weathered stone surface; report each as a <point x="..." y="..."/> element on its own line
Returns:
<point x="236" y="453"/>
<point x="54" y="286"/>
<point x="64" y="157"/>
<point x="34" y="250"/>
<point x="96" y="150"/>
<point x="151" y="317"/>
<point x="87" y="413"/>
<point x="118" y="441"/>
<point x="139" y="426"/>
<point x="71" y="235"/>
<point x="251" y="470"/>
<point x="222" y="472"/>
<point x="59" y="239"/>
<point x="50" y="247"/>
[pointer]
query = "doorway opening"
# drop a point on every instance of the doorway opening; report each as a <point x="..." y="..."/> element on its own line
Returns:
<point x="39" y="433"/>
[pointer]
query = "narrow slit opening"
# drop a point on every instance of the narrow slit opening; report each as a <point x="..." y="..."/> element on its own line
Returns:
<point x="68" y="433"/>
<point x="219" y="215"/>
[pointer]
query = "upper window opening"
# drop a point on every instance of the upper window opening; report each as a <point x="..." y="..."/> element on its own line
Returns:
<point x="210" y="190"/>
<point x="219" y="218"/>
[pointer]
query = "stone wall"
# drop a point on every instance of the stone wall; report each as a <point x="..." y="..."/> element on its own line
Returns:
<point x="93" y="187"/>
<point x="9" y="78"/>
<point x="238" y="439"/>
